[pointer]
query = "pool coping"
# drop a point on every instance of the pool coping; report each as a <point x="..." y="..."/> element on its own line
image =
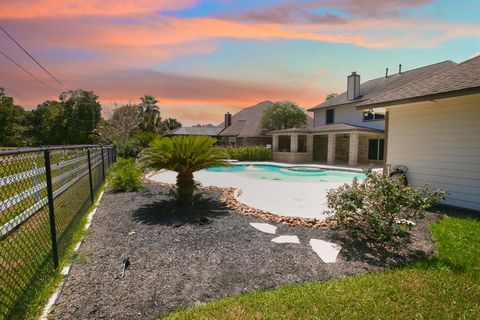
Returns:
<point x="308" y="165"/>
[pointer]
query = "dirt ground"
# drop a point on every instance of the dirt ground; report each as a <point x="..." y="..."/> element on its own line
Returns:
<point x="179" y="259"/>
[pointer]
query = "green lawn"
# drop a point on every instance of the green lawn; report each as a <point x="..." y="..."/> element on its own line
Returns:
<point x="446" y="286"/>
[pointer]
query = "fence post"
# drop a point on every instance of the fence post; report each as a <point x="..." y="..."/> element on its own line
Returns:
<point x="114" y="154"/>
<point x="103" y="164"/>
<point x="92" y="196"/>
<point x="51" y="207"/>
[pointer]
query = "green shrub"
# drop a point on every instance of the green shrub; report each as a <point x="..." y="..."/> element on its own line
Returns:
<point x="128" y="148"/>
<point x="125" y="176"/>
<point x="254" y="153"/>
<point x="144" y="139"/>
<point x="379" y="209"/>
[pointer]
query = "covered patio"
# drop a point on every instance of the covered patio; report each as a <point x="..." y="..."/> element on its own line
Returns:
<point x="330" y="144"/>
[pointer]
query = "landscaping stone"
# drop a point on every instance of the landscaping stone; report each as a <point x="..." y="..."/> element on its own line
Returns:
<point x="286" y="239"/>
<point x="327" y="251"/>
<point x="264" y="227"/>
<point x="185" y="258"/>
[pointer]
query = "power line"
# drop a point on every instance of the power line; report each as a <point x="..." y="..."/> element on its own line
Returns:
<point x="18" y="65"/>
<point x="10" y="90"/>
<point x="28" y="54"/>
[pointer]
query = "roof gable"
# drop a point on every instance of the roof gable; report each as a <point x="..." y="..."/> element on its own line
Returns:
<point x="247" y="122"/>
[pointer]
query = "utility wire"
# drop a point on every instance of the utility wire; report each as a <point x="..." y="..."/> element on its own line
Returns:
<point x="28" y="54"/>
<point x="10" y="90"/>
<point x="18" y="65"/>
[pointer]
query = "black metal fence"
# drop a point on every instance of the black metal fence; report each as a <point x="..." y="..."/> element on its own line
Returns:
<point x="44" y="194"/>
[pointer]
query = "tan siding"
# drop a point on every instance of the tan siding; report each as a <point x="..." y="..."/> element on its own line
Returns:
<point x="347" y="114"/>
<point x="439" y="141"/>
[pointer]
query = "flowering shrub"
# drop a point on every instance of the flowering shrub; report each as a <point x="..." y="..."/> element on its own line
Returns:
<point x="378" y="208"/>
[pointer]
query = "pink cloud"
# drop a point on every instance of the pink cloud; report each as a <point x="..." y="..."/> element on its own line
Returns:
<point x="113" y="48"/>
<point x="20" y="9"/>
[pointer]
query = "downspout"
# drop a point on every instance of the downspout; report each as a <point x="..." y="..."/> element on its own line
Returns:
<point x="385" y="146"/>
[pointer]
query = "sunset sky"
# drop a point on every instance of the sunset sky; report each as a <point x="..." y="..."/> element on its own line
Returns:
<point x="203" y="58"/>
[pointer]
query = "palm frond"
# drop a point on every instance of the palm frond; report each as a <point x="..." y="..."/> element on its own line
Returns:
<point x="183" y="154"/>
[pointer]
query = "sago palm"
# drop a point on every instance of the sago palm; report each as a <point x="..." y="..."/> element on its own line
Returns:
<point x="184" y="155"/>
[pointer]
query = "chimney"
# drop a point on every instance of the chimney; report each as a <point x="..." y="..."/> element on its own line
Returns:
<point x="228" y="120"/>
<point x="386" y="73"/>
<point x="400" y="69"/>
<point x="353" y="86"/>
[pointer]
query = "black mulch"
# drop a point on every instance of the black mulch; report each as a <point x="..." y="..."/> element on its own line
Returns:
<point x="184" y="259"/>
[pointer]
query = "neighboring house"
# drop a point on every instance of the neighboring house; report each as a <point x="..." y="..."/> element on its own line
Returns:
<point x="433" y="128"/>
<point x="244" y="128"/>
<point x="340" y="133"/>
<point x="210" y="131"/>
<point x="241" y="129"/>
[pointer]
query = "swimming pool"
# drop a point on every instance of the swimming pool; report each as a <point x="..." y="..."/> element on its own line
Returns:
<point x="282" y="189"/>
<point x="289" y="173"/>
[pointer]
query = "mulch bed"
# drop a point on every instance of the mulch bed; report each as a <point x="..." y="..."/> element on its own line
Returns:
<point x="182" y="259"/>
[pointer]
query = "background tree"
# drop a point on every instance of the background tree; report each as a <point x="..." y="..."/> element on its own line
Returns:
<point x="330" y="96"/>
<point x="171" y="124"/>
<point x="83" y="113"/>
<point x="184" y="155"/>
<point x="122" y="126"/>
<point x="49" y="126"/>
<point x="121" y="129"/>
<point x="150" y="114"/>
<point x="283" y="115"/>
<point x="12" y="122"/>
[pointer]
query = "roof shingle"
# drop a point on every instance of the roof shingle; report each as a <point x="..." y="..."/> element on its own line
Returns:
<point x="463" y="76"/>
<point x="376" y="87"/>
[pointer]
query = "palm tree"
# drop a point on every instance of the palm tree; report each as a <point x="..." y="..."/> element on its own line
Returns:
<point x="184" y="155"/>
<point x="170" y="124"/>
<point x="151" y="120"/>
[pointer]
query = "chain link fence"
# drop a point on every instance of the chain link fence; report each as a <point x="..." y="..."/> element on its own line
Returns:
<point x="44" y="194"/>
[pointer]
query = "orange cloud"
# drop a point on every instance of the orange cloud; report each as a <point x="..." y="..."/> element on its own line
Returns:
<point x="21" y="9"/>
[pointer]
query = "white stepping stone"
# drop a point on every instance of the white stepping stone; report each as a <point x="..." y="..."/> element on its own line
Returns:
<point x="286" y="239"/>
<point x="327" y="251"/>
<point x="264" y="227"/>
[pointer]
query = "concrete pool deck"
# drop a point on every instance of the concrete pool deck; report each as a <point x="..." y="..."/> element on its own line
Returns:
<point x="285" y="198"/>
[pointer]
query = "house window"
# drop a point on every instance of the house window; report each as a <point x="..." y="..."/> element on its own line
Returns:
<point x="302" y="143"/>
<point x="284" y="143"/>
<point x="370" y="116"/>
<point x="240" y="142"/>
<point x="231" y="141"/>
<point x="329" y="116"/>
<point x="375" y="149"/>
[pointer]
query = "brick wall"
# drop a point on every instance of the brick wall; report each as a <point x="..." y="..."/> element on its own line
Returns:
<point x="293" y="157"/>
<point x="341" y="148"/>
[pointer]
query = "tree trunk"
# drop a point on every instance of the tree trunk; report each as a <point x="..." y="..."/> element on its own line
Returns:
<point x="185" y="189"/>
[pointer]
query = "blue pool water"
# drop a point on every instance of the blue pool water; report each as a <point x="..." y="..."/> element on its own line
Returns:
<point x="293" y="174"/>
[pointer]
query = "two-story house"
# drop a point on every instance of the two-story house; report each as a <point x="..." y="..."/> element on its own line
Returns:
<point x="340" y="133"/>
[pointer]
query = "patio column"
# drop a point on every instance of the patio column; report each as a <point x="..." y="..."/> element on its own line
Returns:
<point x="275" y="143"/>
<point x="294" y="142"/>
<point x="310" y="143"/>
<point x="353" y="150"/>
<point x="331" y="148"/>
